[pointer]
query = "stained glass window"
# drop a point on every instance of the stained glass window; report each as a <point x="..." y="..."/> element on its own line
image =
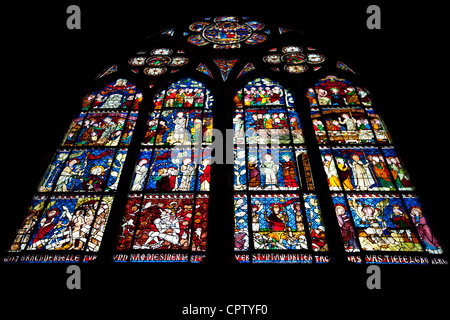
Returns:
<point x="166" y="214"/>
<point x="74" y="199"/>
<point x="371" y="188"/>
<point x="278" y="217"/>
<point x="156" y="191"/>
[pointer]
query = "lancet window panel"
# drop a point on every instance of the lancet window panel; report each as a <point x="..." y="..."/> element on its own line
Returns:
<point x="369" y="183"/>
<point x="274" y="201"/>
<point x="166" y="214"/>
<point x="73" y="202"/>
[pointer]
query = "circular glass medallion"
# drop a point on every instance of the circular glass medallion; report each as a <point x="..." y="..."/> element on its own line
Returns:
<point x="294" y="58"/>
<point x="291" y="49"/>
<point x="158" y="61"/>
<point x="157" y="71"/>
<point x="295" y="68"/>
<point x="272" y="59"/>
<point x="161" y="52"/>
<point x="315" y="58"/>
<point x="179" y="61"/>
<point x="137" y="61"/>
<point x="227" y="32"/>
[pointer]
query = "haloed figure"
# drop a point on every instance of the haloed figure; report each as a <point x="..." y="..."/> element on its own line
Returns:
<point x="277" y="218"/>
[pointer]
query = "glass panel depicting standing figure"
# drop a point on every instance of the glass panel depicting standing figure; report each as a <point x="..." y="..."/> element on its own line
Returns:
<point x="168" y="204"/>
<point x="271" y="177"/>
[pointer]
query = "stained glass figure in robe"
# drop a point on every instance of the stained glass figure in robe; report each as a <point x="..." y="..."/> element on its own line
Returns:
<point x="167" y="170"/>
<point x="364" y="96"/>
<point x="397" y="169"/>
<point x="54" y="170"/>
<point x="331" y="171"/>
<point x="429" y="240"/>
<point x="238" y="127"/>
<point x="185" y="93"/>
<point x="240" y="172"/>
<point x="296" y="129"/>
<point x="180" y="127"/>
<point x="278" y="222"/>
<point x="129" y="129"/>
<point x="378" y="126"/>
<point x="315" y="222"/>
<point x="241" y="235"/>
<point x="172" y="170"/>
<point x="204" y="170"/>
<point x="274" y="170"/>
<point x="319" y="128"/>
<point x="128" y="223"/>
<point x="304" y="168"/>
<point x="265" y="126"/>
<point x="344" y="218"/>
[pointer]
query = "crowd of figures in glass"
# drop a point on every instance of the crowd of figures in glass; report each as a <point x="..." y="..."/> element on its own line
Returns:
<point x="182" y="115"/>
<point x="64" y="223"/>
<point x="384" y="222"/>
<point x="343" y="113"/>
<point x="167" y="169"/>
<point x="265" y="115"/>
<point x="92" y="170"/>
<point x="101" y="129"/>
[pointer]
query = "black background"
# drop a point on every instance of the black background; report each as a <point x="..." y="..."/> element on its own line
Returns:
<point x="47" y="69"/>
